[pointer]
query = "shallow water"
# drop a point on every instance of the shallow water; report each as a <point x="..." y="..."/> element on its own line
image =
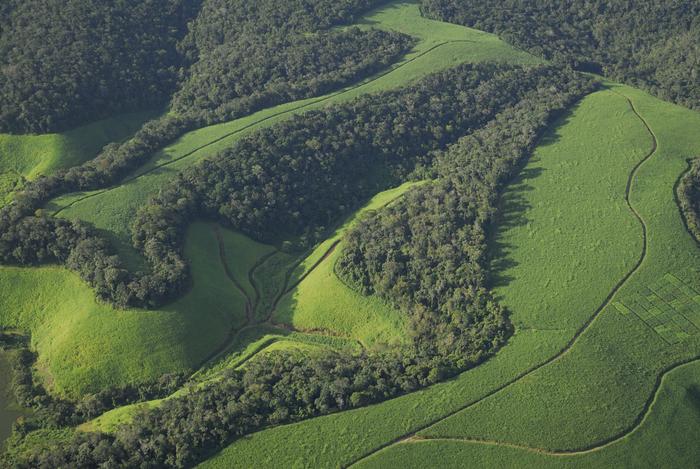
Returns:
<point x="9" y="411"/>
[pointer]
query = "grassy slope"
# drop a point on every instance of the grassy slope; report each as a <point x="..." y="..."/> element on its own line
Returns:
<point x="323" y="302"/>
<point x="367" y="320"/>
<point x="85" y="346"/>
<point x="28" y="156"/>
<point x="563" y="161"/>
<point x="666" y="439"/>
<point x="250" y="342"/>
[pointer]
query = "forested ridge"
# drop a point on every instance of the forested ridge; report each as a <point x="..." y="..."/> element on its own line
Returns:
<point x="120" y="55"/>
<point x="464" y="132"/>
<point x="500" y="119"/>
<point x="651" y="44"/>
<point x="256" y="72"/>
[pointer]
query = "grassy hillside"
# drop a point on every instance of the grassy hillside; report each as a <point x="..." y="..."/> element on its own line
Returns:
<point x="617" y="355"/>
<point x="28" y="156"/>
<point x="321" y="301"/>
<point x="605" y="381"/>
<point x="85" y="346"/>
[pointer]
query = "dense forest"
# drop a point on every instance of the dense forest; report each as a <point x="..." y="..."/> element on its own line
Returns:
<point x="454" y="330"/>
<point x="255" y="72"/>
<point x="651" y="44"/>
<point x="106" y="57"/>
<point x="65" y="62"/>
<point x="689" y="198"/>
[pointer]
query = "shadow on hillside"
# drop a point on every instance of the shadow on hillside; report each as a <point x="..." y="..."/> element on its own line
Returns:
<point x="513" y="211"/>
<point x="388" y="8"/>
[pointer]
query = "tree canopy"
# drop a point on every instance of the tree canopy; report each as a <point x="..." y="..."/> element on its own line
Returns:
<point x="651" y="44"/>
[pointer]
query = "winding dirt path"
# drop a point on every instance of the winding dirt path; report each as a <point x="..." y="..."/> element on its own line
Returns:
<point x="575" y="338"/>
<point x="293" y="110"/>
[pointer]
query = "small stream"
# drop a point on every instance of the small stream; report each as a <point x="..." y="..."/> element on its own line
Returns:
<point x="9" y="410"/>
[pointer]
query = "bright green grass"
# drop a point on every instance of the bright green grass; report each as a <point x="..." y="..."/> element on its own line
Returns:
<point x="323" y="302"/>
<point x="264" y="338"/>
<point x="27" y="156"/>
<point x="599" y="388"/>
<point x="251" y="342"/>
<point x="584" y="164"/>
<point x="667" y="438"/>
<point x="85" y="346"/>
<point x="112" y="420"/>
<point x="287" y="346"/>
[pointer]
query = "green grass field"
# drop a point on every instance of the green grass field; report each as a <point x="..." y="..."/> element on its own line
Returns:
<point x="666" y="438"/>
<point x="85" y="346"/>
<point x="28" y="156"/>
<point x="604" y="297"/>
<point x="570" y="196"/>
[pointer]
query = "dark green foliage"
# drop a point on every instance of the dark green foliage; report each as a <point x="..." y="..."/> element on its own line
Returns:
<point x="287" y="74"/>
<point x="466" y="327"/>
<point x="294" y="179"/>
<point x="649" y="43"/>
<point x="689" y="198"/>
<point x="298" y="178"/>
<point x="65" y="62"/>
<point x="226" y="21"/>
<point x="257" y="71"/>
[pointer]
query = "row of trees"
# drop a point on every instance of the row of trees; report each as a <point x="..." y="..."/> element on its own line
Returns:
<point x="462" y="327"/>
<point x="651" y="44"/>
<point x="257" y="71"/>
<point x="209" y="95"/>
<point x="689" y="198"/>
<point x="426" y="252"/>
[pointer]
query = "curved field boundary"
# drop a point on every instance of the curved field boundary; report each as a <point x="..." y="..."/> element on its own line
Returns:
<point x="259" y="121"/>
<point x="574" y="339"/>
<point x="603" y="444"/>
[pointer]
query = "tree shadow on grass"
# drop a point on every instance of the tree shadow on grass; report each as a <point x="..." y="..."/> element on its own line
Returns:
<point x="512" y="213"/>
<point x="513" y="210"/>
